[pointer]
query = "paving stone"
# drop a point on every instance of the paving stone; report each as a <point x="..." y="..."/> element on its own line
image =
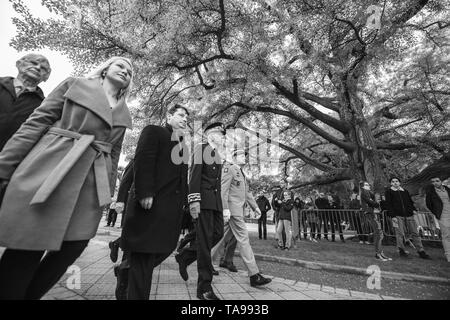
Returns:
<point x="319" y="295"/>
<point x="344" y="292"/>
<point x="266" y="296"/>
<point x="172" y="297"/>
<point x="171" y="289"/>
<point x="278" y="287"/>
<point x="100" y="289"/>
<point x="225" y="279"/>
<point x="294" y="295"/>
<point x="228" y="288"/>
<point x="237" y="296"/>
<point x="328" y="289"/>
<point x="313" y="286"/>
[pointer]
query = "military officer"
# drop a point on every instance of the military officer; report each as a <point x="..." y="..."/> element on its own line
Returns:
<point x="205" y="205"/>
<point x="235" y="194"/>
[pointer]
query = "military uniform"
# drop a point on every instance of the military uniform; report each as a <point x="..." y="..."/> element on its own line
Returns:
<point x="205" y="187"/>
<point x="235" y="194"/>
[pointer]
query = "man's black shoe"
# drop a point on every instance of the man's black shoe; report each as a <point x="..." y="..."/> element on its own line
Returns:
<point x="114" y="247"/>
<point x="258" y="280"/>
<point x="208" y="295"/>
<point x="403" y="253"/>
<point x="215" y="272"/>
<point x="424" y="255"/>
<point x="182" y="268"/>
<point x="122" y="282"/>
<point x="228" y="266"/>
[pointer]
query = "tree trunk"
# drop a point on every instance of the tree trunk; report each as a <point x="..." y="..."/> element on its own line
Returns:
<point x="364" y="161"/>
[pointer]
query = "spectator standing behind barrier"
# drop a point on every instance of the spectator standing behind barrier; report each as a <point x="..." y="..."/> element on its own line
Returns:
<point x="285" y="221"/>
<point x="276" y="205"/>
<point x="437" y="199"/>
<point x="264" y="206"/>
<point x="299" y="205"/>
<point x="322" y="203"/>
<point x="371" y="209"/>
<point x="295" y="222"/>
<point x="311" y="217"/>
<point x="355" y="204"/>
<point x="61" y="166"/>
<point x="402" y="209"/>
<point x="20" y="96"/>
<point x="334" y="217"/>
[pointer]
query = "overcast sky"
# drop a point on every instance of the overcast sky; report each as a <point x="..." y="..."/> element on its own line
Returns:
<point x="61" y="67"/>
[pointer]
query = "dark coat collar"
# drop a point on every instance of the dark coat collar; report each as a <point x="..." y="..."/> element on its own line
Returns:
<point x="8" y="83"/>
<point x="90" y="94"/>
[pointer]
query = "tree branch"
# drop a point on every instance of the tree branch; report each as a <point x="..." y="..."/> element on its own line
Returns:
<point x="346" y="146"/>
<point x="300" y="155"/>
<point x="341" y="126"/>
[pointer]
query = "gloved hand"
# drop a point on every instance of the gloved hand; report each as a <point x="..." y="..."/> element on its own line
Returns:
<point x="226" y="215"/>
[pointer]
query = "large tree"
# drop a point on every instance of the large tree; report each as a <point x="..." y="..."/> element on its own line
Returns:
<point x="359" y="89"/>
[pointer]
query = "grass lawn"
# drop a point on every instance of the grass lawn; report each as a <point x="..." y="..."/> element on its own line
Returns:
<point x="357" y="255"/>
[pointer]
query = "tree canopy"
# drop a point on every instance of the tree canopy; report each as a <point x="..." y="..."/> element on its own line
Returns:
<point x="358" y="89"/>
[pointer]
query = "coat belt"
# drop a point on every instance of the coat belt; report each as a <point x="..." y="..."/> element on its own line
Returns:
<point x="82" y="143"/>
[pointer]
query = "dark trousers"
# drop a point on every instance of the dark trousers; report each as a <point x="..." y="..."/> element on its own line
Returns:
<point x="140" y="273"/>
<point x="262" y="226"/>
<point x="112" y="217"/>
<point x="313" y="226"/>
<point x="362" y="235"/>
<point x="303" y="225"/>
<point x="23" y="275"/>
<point x="209" y="231"/>
<point x="333" y="219"/>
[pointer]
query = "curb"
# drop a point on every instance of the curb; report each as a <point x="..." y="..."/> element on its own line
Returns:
<point x="351" y="270"/>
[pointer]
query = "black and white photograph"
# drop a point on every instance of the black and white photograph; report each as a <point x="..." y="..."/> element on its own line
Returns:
<point x="251" y="152"/>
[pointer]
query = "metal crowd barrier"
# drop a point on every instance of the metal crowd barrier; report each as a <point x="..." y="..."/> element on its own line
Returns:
<point x="317" y="223"/>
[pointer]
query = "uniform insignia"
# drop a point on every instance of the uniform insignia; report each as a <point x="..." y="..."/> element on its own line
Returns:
<point x="238" y="183"/>
<point x="225" y="170"/>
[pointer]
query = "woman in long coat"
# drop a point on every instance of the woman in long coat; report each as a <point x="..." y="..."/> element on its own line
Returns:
<point x="61" y="166"/>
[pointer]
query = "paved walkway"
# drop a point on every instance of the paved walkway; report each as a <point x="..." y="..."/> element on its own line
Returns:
<point x="97" y="282"/>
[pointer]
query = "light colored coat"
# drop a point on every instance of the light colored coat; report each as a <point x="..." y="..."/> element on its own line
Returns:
<point x="234" y="190"/>
<point x="62" y="166"/>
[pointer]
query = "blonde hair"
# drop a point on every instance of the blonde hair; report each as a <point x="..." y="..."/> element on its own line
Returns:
<point x="99" y="73"/>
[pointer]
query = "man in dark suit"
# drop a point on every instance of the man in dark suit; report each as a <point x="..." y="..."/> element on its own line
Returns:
<point x="205" y="204"/>
<point x="21" y="95"/>
<point x="155" y="204"/>
<point x="264" y="206"/>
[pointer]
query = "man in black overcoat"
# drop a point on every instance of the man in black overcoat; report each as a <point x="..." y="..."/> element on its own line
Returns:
<point x="156" y="200"/>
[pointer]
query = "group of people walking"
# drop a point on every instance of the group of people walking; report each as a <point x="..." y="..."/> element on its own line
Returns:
<point x="58" y="168"/>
